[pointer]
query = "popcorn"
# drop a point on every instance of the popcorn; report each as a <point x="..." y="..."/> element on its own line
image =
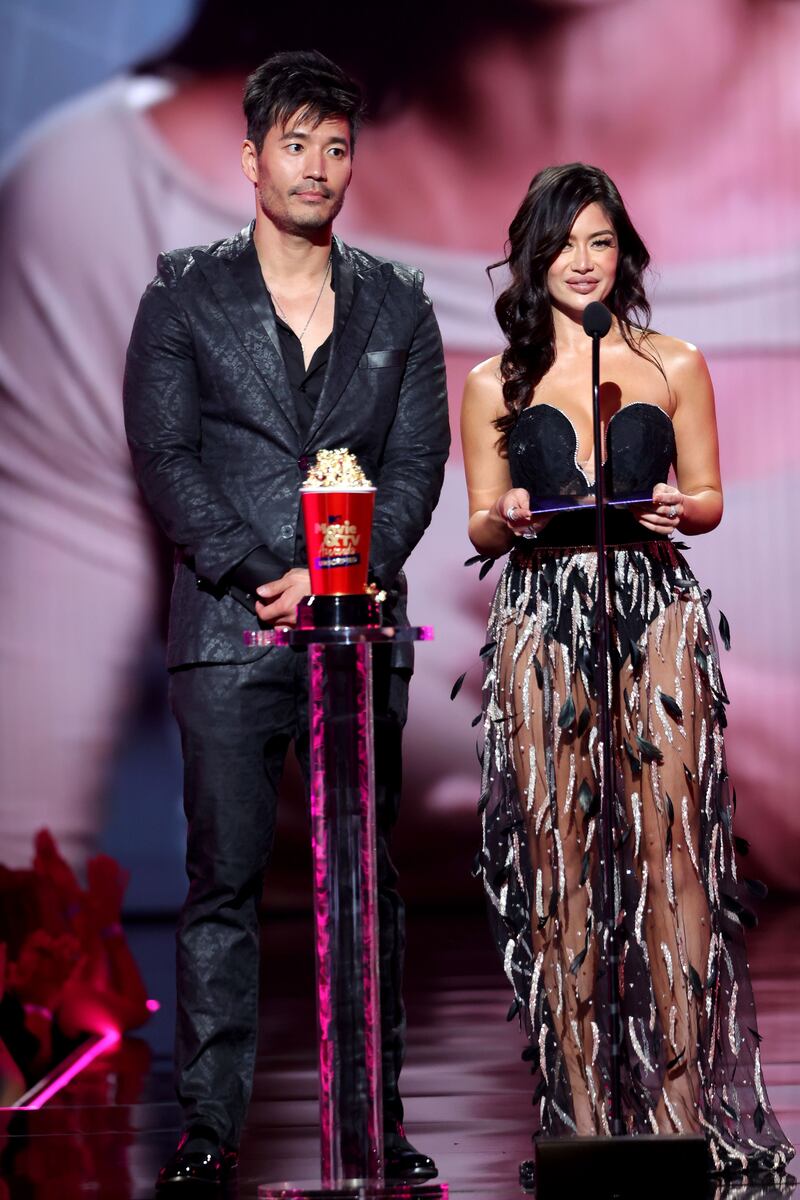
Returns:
<point x="336" y="469"/>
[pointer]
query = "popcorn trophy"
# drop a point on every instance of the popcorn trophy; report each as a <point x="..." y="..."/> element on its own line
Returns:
<point x="338" y="624"/>
<point x="338" y="501"/>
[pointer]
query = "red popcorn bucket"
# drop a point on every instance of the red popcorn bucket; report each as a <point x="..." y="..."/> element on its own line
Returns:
<point x="338" y="524"/>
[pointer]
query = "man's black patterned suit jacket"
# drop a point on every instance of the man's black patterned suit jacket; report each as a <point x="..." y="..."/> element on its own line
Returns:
<point x="214" y="436"/>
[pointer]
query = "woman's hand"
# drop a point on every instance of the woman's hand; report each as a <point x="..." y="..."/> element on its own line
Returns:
<point x="513" y="510"/>
<point x="665" y="511"/>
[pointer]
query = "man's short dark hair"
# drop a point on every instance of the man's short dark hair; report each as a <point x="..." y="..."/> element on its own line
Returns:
<point x="303" y="81"/>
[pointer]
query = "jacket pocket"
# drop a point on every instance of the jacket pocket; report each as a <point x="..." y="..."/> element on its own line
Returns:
<point x="383" y="358"/>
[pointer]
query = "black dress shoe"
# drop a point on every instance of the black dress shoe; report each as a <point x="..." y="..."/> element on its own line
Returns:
<point x="199" y="1159"/>
<point x="402" y="1163"/>
<point x="527" y="1175"/>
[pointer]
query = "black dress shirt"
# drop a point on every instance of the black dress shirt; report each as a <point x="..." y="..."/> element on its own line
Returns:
<point x="306" y="384"/>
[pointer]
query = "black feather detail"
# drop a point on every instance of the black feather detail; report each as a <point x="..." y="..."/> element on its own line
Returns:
<point x="538" y="672"/>
<point x="553" y="905"/>
<point x="671" y="705"/>
<point x="567" y="714"/>
<point x="681" y="546"/>
<point x="733" y="799"/>
<point x="731" y="905"/>
<point x="758" y="1117"/>
<point x="673" y="1062"/>
<point x="477" y="720"/>
<point x="583" y="720"/>
<point x="636" y="763"/>
<point x="456" y="688"/>
<point x="695" y="981"/>
<point x="486" y="568"/>
<point x="585" y="868"/>
<point x="742" y="845"/>
<point x="500" y="878"/>
<point x="627" y="700"/>
<point x="483" y="801"/>
<point x="670" y="808"/>
<point x="650" y="753"/>
<point x="585" y="660"/>
<point x="724" y="630"/>
<point x="586" y="797"/>
<point x="515" y="1006"/>
<point x="479" y="753"/>
<point x="475" y="869"/>
<point x="757" y="888"/>
<point x="541" y="1088"/>
<point x="701" y="658"/>
<point x="755" y="1034"/>
<point x="470" y="562"/>
<point x="688" y="774"/>
<point x="636" y="655"/>
<point x="530" y="1054"/>
<point x="577" y="961"/>
<point x="729" y="1112"/>
<point x="487" y="650"/>
<point x="683" y="584"/>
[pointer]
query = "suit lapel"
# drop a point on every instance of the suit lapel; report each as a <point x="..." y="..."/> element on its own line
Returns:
<point x="358" y="302"/>
<point x="239" y="288"/>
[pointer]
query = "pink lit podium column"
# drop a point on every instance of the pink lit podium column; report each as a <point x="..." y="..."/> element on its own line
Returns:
<point x="346" y="915"/>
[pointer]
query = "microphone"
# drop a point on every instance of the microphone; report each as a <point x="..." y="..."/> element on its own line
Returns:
<point x="596" y="319"/>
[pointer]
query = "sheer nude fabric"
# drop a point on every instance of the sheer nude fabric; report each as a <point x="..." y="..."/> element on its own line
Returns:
<point x="690" y="1053"/>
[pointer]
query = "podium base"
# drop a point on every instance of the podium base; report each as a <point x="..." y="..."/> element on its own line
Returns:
<point x="606" y="1167"/>
<point x="326" y="612"/>
<point x="353" y="1189"/>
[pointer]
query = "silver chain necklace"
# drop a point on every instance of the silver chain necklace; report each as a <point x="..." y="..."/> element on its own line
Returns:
<point x="280" y="309"/>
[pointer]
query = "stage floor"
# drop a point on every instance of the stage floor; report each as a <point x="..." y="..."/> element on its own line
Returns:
<point x="466" y="1089"/>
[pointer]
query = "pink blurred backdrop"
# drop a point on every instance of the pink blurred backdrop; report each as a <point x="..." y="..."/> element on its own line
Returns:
<point x="692" y="107"/>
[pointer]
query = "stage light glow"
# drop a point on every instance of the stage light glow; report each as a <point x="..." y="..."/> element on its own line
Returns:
<point x="98" y="1045"/>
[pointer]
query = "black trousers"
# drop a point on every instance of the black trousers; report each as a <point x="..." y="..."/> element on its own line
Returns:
<point x="236" y="723"/>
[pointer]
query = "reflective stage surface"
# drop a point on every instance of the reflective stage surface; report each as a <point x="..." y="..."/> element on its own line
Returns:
<point x="465" y="1086"/>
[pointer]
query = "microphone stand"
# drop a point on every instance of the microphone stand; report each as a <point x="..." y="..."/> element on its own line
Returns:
<point x="660" y="1166"/>
<point x="597" y="329"/>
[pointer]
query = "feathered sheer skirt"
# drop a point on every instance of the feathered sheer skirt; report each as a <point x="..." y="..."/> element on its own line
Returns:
<point x="691" y="1059"/>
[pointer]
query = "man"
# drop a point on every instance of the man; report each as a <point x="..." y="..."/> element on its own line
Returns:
<point x="248" y="356"/>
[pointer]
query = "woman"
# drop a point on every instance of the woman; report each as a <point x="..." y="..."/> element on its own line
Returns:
<point x="690" y="1056"/>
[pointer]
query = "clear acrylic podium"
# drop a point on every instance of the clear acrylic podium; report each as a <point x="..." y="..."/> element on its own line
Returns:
<point x="345" y="911"/>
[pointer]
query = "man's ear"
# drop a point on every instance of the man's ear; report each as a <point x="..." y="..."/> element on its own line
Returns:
<point x="250" y="160"/>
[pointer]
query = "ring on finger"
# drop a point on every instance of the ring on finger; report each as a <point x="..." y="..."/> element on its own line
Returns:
<point x="511" y="512"/>
<point x="672" y="510"/>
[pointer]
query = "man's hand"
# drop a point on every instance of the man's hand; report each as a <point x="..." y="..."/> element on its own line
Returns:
<point x="280" y="599"/>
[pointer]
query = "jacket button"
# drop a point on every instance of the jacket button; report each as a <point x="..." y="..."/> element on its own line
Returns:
<point x="287" y="531"/>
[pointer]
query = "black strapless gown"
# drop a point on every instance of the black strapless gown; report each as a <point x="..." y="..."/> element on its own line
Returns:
<point x="691" y="1059"/>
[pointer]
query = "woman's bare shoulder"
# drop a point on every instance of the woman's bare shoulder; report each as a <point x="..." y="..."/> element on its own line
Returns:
<point x="680" y="359"/>
<point x="483" y="389"/>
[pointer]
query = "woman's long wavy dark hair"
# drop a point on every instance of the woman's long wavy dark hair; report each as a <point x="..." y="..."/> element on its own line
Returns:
<point x="536" y="236"/>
